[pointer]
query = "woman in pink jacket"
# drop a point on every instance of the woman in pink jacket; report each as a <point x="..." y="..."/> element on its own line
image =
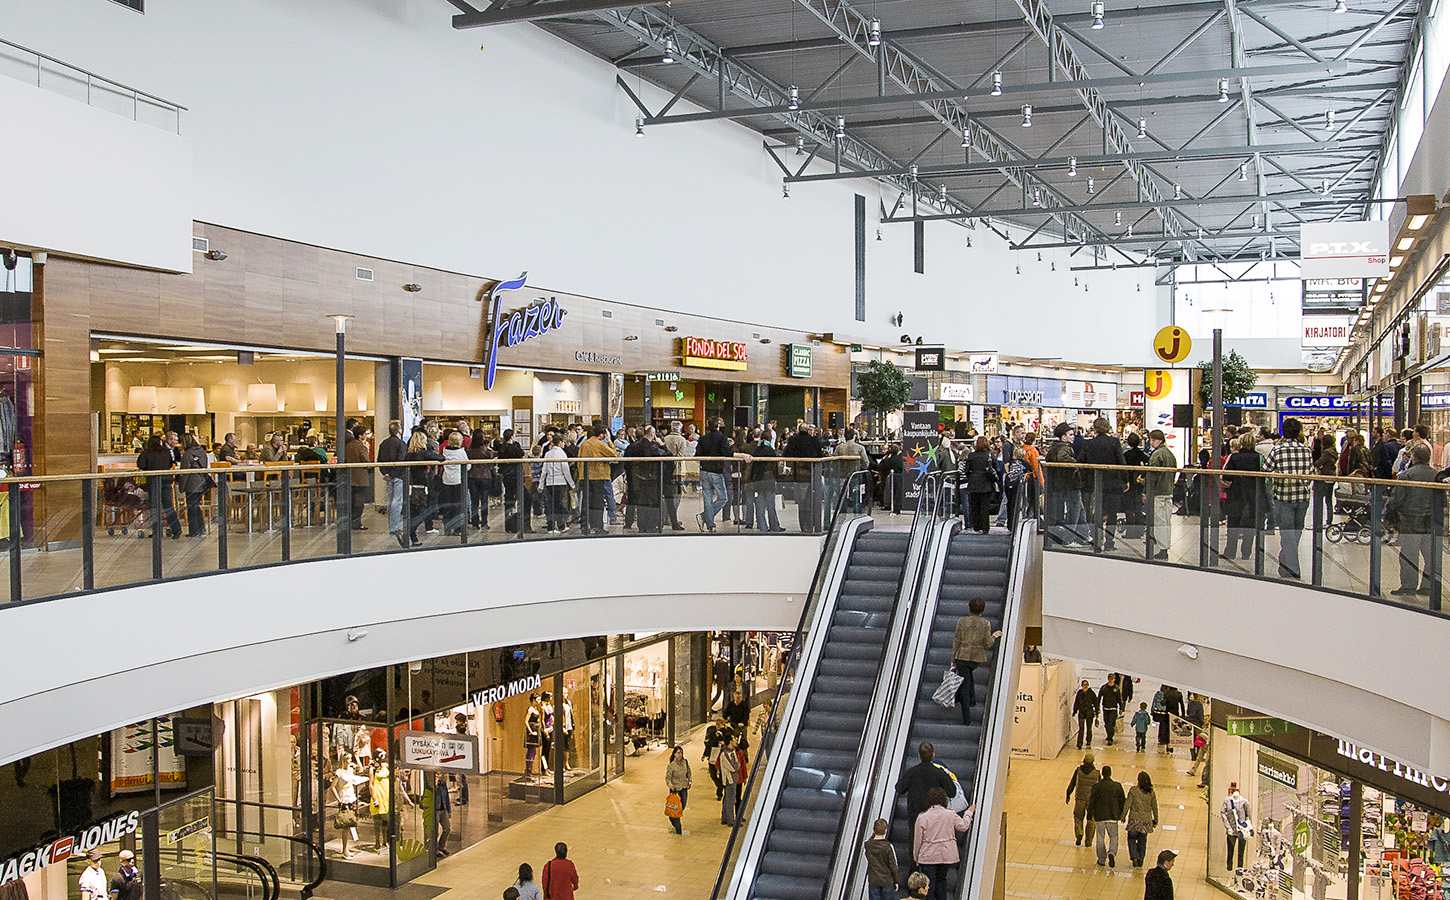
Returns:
<point x="934" y="845"/>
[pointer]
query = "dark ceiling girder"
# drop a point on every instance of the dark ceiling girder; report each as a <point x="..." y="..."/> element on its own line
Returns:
<point x="526" y="12"/>
<point x="1146" y="205"/>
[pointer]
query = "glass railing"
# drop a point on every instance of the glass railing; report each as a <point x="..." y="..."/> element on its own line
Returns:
<point x="76" y="533"/>
<point x="1383" y="539"/>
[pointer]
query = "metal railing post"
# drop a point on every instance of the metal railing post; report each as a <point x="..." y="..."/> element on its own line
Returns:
<point x="1203" y="523"/>
<point x="286" y="516"/>
<point x="1437" y="547"/>
<point x="464" y="501"/>
<point x="1316" y="541"/>
<point x="584" y="498"/>
<point x="88" y="535"/>
<point x="221" y="529"/>
<point x="1259" y="527"/>
<point x="154" y="489"/>
<point x="1150" y="535"/>
<point x="342" y="482"/>
<point x="406" y="522"/>
<point x="1214" y="486"/>
<point x="1376" y="537"/>
<point x="521" y="502"/>
<point x="1096" y="518"/>
<point x="16" y="539"/>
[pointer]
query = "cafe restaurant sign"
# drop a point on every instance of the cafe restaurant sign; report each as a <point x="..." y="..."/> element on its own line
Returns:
<point x="710" y="354"/>
<point x="512" y="329"/>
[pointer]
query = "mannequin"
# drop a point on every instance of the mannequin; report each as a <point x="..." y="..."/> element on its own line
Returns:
<point x="380" y="804"/>
<point x="570" y="759"/>
<point x="344" y="790"/>
<point x="1236" y="823"/>
<point x="531" y="736"/>
<point x="546" y="736"/>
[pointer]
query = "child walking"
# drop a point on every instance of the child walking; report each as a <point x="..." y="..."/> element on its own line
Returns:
<point x="1141" y="721"/>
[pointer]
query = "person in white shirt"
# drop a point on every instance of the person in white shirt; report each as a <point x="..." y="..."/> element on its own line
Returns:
<point x="558" y="481"/>
<point x="454" y="499"/>
<point x="94" y="885"/>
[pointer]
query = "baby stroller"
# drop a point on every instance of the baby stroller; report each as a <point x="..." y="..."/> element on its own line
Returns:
<point x="123" y="502"/>
<point x="1352" y="501"/>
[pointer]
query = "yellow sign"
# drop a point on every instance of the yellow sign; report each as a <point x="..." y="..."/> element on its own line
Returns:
<point x="710" y="363"/>
<point x="1172" y="344"/>
<point x="1157" y="383"/>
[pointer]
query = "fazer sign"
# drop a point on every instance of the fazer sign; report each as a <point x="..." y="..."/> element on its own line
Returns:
<point x="1344" y="250"/>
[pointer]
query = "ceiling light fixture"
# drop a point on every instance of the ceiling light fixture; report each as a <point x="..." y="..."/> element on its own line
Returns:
<point x="794" y="101"/>
<point x="997" y="84"/>
<point x="969" y="242"/>
<point x="1397" y="261"/>
<point x="878" y="235"/>
<point x="941" y="195"/>
<point x="967" y="137"/>
<point x="1037" y="197"/>
<point x="1328" y="119"/>
<point x="1130" y="229"/>
<point x="1419" y="208"/>
<point x="1256" y="223"/>
<point x="1019" y="270"/>
<point x="1324" y="186"/>
<point x="1223" y="90"/>
<point x="785" y="190"/>
<point x="1097" y="9"/>
<point x="1340" y="6"/>
<point x="800" y="146"/>
<point x="1142" y="128"/>
<point x="1243" y="171"/>
<point x="1405" y="243"/>
<point x="1072" y="167"/>
<point x="669" y="56"/>
<point x="840" y="126"/>
<point x="217" y="255"/>
<point x="1177" y="191"/>
<point x="1117" y="218"/>
<point x="1039" y="256"/>
<point x="873" y="33"/>
<point x="1090" y="184"/>
<point x="639" y="126"/>
<point x="913" y="171"/>
<point x="1027" y="115"/>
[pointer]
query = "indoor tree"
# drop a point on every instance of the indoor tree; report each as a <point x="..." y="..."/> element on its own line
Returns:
<point x="882" y="388"/>
<point x="1238" y="379"/>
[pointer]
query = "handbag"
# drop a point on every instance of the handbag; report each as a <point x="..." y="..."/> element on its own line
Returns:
<point x="674" y="808"/>
<point x="946" y="694"/>
<point x="344" y="818"/>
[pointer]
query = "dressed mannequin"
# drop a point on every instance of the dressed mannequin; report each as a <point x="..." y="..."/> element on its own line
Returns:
<point x="546" y="737"/>
<point x="532" y="720"/>
<point x="344" y="790"/>
<point x="1236" y="823"/>
<point x="570" y="760"/>
<point x="460" y="725"/>
<point x="380" y="804"/>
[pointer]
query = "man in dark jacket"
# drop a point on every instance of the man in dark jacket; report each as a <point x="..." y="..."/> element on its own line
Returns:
<point x="1389" y="451"/>
<point x="1085" y="707"/>
<point x="1079" y="791"/>
<point x="1104" y="450"/>
<point x="645" y="479"/>
<point x="392" y="450"/>
<point x="1416" y="508"/>
<point x="1112" y="706"/>
<point x="918" y="780"/>
<point x="713" y="490"/>
<point x="1063" y="498"/>
<point x="1105" y="808"/>
<point x="1157" y="884"/>
<point x="810" y="483"/>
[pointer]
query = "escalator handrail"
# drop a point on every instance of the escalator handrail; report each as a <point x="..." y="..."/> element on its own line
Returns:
<point x="313" y="847"/>
<point x="989" y="786"/>
<point x="857" y="481"/>
<point x="264" y="870"/>
<point x="868" y="748"/>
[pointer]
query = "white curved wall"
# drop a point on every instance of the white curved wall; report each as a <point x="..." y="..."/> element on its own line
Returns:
<point x="119" y="656"/>
<point x="376" y="128"/>
<point x="1360" y="670"/>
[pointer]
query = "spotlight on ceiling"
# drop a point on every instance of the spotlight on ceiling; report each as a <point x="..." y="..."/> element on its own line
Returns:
<point x="1328" y="119"/>
<point x="1027" y="115"/>
<point x="1142" y="128"/>
<point x="670" y="48"/>
<point x="785" y="190"/>
<point x="996" y="84"/>
<point x="878" y="235"/>
<point x="873" y="33"/>
<point x="1340" y="6"/>
<point x="795" y="98"/>
<point x="639" y="126"/>
<point x="966" y="137"/>
<point x="1037" y="201"/>
<point x="800" y="146"/>
<point x="941" y="195"/>
<point x="1243" y="171"/>
<point x="1117" y="218"/>
<point x="1097" y="10"/>
<point x="1223" y="90"/>
<point x="1177" y="191"/>
<point x="1090" y="184"/>
<point x="840" y="126"/>
<point x="1072" y="167"/>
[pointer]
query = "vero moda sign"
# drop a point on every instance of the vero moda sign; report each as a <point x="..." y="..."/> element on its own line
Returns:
<point x="1344" y="250"/>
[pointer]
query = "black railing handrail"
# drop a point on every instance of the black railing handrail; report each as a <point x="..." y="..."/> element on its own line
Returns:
<point x="1215" y="471"/>
<point x="312" y="846"/>
<point x="788" y="670"/>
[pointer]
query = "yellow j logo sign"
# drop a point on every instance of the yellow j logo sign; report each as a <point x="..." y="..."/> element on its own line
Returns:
<point x="1172" y="344"/>
<point x="1157" y="384"/>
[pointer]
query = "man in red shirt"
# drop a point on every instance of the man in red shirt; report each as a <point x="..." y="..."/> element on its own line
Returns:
<point x="560" y="879"/>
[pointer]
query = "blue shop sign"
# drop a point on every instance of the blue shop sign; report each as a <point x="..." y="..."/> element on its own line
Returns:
<point x="1435" y="401"/>
<point x="1316" y="403"/>
<point x="1006" y="390"/>
<point x="1258" y="400"/>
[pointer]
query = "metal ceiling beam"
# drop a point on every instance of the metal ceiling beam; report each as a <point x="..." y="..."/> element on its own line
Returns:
<point x="1137" y="239"/>
<point x="953" y="95"/>
<point x="1149" y="205"/>
<point x="1063" y="162"/>
<point x="529" y="12"/>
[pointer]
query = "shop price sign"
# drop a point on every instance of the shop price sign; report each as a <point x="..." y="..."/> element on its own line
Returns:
<point x="438" y="752"/>
<point x="711" y="354"/>
<point x="1248" y="726"/>
<point x="1303" y="837"/>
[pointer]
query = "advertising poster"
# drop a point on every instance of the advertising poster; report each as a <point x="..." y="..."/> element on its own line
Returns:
<point x="412" y="390"/>
<point x="1041" y="716"/>
<point x="136" y="751"/>
<point x="1162" y="389"/>
<point x="918" y="453"/>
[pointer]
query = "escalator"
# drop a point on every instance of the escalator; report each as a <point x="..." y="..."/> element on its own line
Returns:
<point x="975" y="566"/>
<point x="799" y="848"/>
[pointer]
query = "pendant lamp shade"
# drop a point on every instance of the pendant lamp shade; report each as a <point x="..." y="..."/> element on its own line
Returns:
<point x="262" y="398"/>
<point x="166" y="400"/>
<point x="301" y="398"/>
<point x="223" y="398"/>
<point x="190" y="401"/>
<point x="141" y="400"/>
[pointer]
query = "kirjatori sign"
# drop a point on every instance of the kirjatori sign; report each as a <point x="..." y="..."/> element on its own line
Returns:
<point x="1344" y="250"/>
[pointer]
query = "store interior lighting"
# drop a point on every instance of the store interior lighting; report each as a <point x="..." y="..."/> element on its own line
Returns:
<point x="142" y="400"/>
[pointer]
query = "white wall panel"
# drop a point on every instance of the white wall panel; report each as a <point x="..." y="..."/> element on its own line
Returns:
<point x="1343" y="665"/>
<point x="92" y="183"/>
<point x="194" y="641"/>
<point x="372" y="126"/>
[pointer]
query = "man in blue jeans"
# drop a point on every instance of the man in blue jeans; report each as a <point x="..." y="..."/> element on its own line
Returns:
<point x="712" y="449"/>
<point x="1291" y="496"/>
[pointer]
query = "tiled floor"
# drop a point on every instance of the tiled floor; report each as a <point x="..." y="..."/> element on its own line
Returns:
<point x="1044" y="864"/>
<point x="618" y="838"/>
